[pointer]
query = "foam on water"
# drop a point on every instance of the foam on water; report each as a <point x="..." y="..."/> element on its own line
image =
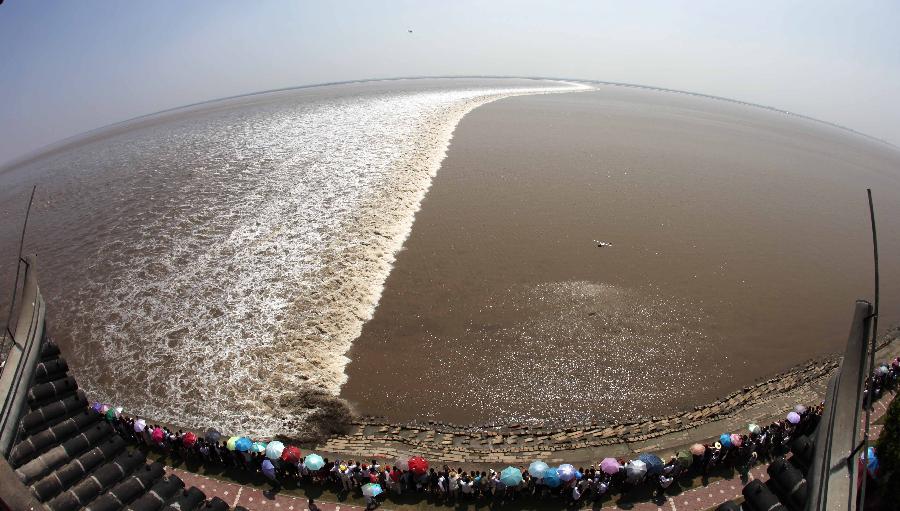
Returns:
<point x="242" y="277"/>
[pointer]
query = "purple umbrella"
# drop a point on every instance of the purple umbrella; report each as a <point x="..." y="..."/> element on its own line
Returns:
<point x="610" y="466"/>
<point x="793" y="418"/>
<point x="96" y="407"/>
<point x="268" y="469"/>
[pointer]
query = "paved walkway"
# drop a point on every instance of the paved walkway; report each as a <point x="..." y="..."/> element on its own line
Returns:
<point x="699" y="498"/>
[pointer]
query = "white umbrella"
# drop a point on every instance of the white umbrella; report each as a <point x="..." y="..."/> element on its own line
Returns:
<point x="274" y="449"/>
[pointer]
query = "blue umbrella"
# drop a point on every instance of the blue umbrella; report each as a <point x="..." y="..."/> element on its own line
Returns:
<point x="242" y="444"/>
<point x="511" y="476"/>
<point x="268" y="469"/>
<point x="873" y="461"/>
<point x="654" y="464"/>
<point x="372" y="490"/>
<point x="725" y="440"/>
<point x="551" y="478"/>
<point x="537" y="468"/>
<point x="314" y="462"/>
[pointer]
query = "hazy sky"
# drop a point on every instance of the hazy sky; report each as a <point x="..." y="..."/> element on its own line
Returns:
<point x="71" y="66"/>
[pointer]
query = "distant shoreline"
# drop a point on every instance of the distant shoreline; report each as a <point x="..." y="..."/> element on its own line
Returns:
<point x="99" y="132"/>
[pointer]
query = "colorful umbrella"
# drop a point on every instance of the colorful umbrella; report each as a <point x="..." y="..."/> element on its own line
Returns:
<point x="212" y="436"/>
<point x="258" y="447"/>
<point x="189" y="439"/>
<point x="140" y="425"/>
<point x="872" y="467"/>
<point x="725" y="440"/>
<point x="537" y="468"/>
<point x="653" y="462"/>
<point x="313" y="462"/>
<point x="610" y="466"/>
<point x="684" y="458"/>
<point x="754" y="428"/>
<point x="883" y="369"/>
<point x="418" y="465"/>
<point x="291" y="454"/>
<point x="372" y="489"/>
<point x="793" y="418"/>
<point x="268" y="469"/>
<point x="111" y="414"/>
<point x="736" y="440"/>
<point x="698" y="449"/>
<point x="511" y="476"/>
<point x="243" y="444"/>
<point x="551" y="478"/>
<point x="231" y="443"/>
<point x="104" y="408"/>
<point x="566" y="472"/>
<point x="96" y="407"/>
<point x="635" y="470"/>
<point x="274" y="450"/>
<point x="157" y="435"/>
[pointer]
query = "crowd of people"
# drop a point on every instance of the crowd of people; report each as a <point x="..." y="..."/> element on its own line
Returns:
<point x="279" y="462"/>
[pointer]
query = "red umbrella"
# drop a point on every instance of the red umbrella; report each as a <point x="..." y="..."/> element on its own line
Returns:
<point x="418" y="465"/>
<point x="188" y="439"/>
<point x="291" y="454"/>
<point x="157" y="435"/>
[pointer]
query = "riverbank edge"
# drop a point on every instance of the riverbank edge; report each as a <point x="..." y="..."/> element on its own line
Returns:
<point x="490" y="445"/>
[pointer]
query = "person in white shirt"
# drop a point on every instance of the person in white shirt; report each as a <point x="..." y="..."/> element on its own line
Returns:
<point x="576" y="493"/>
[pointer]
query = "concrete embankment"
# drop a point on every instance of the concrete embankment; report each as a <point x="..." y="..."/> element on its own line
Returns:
<point x="763" y="402"/>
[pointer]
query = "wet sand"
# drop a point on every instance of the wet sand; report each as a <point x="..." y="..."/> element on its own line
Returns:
<point x="740" y="240"/>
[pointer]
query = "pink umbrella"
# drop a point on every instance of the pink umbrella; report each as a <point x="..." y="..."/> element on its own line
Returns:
<point x="736" y="440"/>
<point x="610" y="466"/>
<point x="793" y="418"/>
<point x="157" y="435"/>
<point x="698" y="449"/>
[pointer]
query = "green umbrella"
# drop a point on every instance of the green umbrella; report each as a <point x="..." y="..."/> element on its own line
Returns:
<point x="111" y="414"/>
<point x="684" y="458"/>
<point x="230" y="444"/>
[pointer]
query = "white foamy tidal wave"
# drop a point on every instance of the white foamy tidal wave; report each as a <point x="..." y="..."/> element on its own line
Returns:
<point x="264" y="252"/>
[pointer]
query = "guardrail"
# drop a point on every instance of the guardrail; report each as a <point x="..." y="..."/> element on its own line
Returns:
<point x="22" y="356"/>
<point x="833" y="473"/>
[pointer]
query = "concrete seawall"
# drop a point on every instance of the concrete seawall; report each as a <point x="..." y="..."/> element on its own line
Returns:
<point x="763" y="402"/>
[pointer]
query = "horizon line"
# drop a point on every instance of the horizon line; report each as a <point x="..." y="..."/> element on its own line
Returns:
<point x="66" y="142"/>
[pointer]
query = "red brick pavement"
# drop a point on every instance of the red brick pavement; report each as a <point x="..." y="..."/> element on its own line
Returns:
<point x="699" y="498"/>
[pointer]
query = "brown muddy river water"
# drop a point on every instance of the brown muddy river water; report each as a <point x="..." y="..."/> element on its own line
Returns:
<point x="740" y="239"/>
<point x="232" y="264"/>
